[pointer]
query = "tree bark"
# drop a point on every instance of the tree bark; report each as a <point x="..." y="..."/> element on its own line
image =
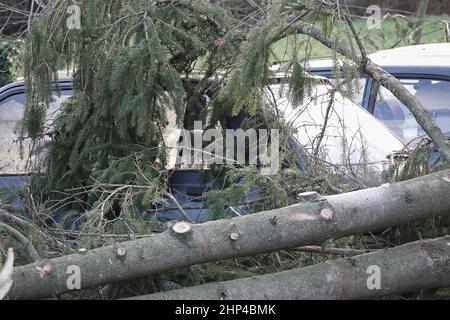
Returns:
<point x="22" y="240"/>
<point x="305" y="223"/>
<point x="6" y="274"/>
<point x="407" y="268"/>
<point x="389" y="82"/>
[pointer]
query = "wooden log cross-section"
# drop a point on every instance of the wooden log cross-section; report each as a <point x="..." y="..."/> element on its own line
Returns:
<point x="407" y="268"/>
<point x="305" y="223"/>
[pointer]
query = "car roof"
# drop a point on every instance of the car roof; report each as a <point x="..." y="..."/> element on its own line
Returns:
<point x="418" y="56"/>
<point x="20" y="85"/>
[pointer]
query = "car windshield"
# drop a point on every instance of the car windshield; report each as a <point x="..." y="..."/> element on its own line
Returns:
<point x="435" y="98"/>
<point x="13" y="158"/>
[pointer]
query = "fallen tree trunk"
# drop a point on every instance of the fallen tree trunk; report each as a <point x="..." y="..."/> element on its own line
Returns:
<point x="306" y="223"/>
<point x="407" y="268"/>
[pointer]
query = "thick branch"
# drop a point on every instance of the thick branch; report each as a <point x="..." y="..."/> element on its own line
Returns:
<point x="389" y="82"/>
<point x="407" y="268"/>
<point x="302" y="224"/>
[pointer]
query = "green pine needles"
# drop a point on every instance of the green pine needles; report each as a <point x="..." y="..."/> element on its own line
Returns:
<point x="128" y="60"/>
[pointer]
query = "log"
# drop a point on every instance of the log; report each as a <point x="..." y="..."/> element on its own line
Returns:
<point x="306" y="223"/>
<point x="407" y="268"/>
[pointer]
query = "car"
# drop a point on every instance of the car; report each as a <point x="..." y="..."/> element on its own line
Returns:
<point x="357" y="133"/>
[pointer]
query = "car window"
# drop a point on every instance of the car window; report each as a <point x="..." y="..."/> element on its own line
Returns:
<point x="434" y="96"/>
<point x="356" y="89"/>
<point x="12" y="159"/>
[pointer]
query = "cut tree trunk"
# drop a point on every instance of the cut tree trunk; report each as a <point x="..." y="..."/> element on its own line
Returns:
<point x="407" y="268"/>
<point x="305" y="223"/>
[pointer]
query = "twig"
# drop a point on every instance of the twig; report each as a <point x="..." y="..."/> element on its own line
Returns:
<point x="234" y="211"/>
<point x="7" y="217"/>
<point x="325" y="124"/>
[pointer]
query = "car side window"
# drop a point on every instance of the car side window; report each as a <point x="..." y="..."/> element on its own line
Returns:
<point x="12" y="159"/>
<point x="435" y="98"/>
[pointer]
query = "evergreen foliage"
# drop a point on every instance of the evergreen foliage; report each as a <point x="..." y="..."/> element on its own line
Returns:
<point x="5" y="67"/>
<point x="128" y="60"/>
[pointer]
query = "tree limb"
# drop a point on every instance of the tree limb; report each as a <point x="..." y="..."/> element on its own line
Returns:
<point x="334" y="251"/>
<point x="389" y="82"/>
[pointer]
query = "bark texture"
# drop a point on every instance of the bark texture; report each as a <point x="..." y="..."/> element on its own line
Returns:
<point x="407" y="268"/>
<point x="20" y="238"/>
<point x="305" y="223"/>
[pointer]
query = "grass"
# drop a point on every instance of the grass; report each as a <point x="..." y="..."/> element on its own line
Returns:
<point x="393" y="33"/>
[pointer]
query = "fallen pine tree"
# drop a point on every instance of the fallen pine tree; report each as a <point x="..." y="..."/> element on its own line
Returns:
<point x="407" y="268"/>
<point x="314" y="221"/>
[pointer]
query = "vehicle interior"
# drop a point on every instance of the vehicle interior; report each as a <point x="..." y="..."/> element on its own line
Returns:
<point x="435" y="98"/>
